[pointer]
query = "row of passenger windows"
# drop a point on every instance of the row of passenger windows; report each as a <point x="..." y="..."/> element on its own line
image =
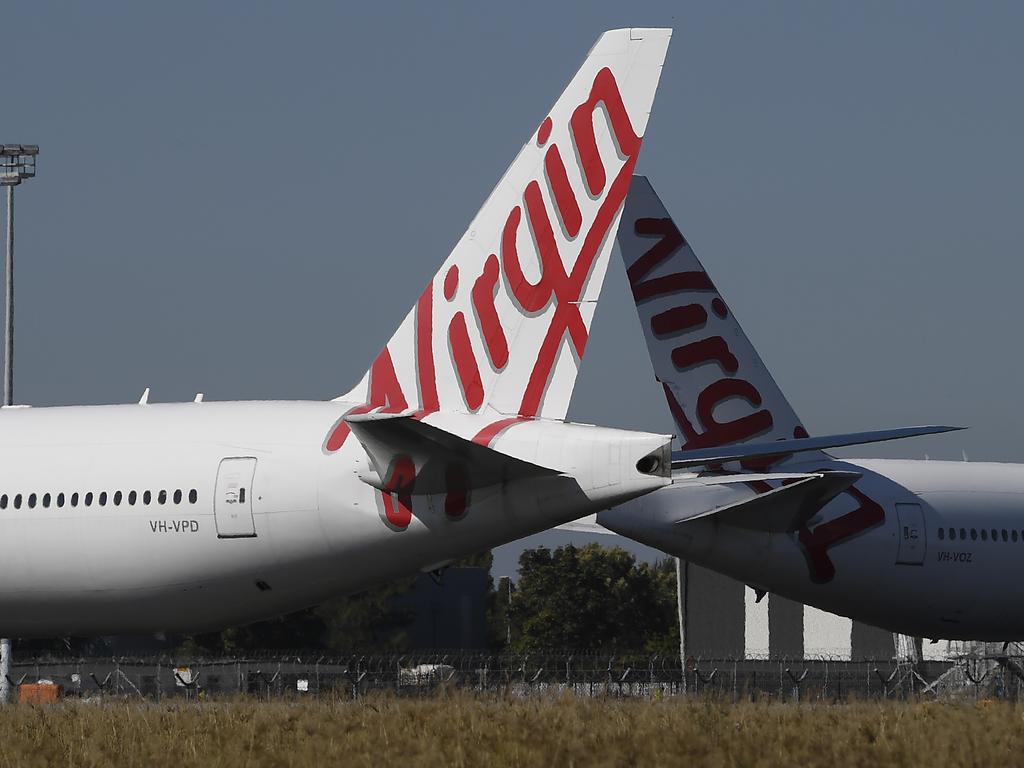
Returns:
<point x="101" y="499"/>
<point x="985" y="533"/>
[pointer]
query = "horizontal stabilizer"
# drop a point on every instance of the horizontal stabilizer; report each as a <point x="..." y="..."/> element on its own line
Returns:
<point x="704" y="456"/>
<point x="784" y="508"/>
<point x="741" y="478"/>
<point x="586" y="524"/>
<point x="411" y="456"/>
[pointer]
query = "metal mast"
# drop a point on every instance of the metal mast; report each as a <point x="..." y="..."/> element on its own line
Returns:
<point x="17" y="163"/>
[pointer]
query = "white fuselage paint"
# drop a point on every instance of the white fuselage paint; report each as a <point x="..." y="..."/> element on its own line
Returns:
<point x="120" y="568"/>
<point x="964" y="588"/>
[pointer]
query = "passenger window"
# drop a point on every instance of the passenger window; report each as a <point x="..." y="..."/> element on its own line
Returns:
<point x="3" y="501"/>
<point x="995" y="535"/>
<point x="963" y="534"/>
<point x="74" y="499"/>
<point x="984" y="535"/>
<point x="974" y="534"/>
<point x="942" y="533"/>
<point x="103" y="498"/>
<point x="17" y="501"/>
<point x="193" y="496"/>
<point x="88" y="499"/>
<point x="117" y="498"/>
<point x="162" y="497"/>
<point x="60" y="499"/>
<point x="147" y="497"/>
<point x="177" y="496"/>
<point x="241" y="495"/>
<point x="952" y="533"/>
<point x="31" y="501"/>
<point x="132" y="497"/>
<point x="46" y="500"/>
<point x="1013" y="535"/>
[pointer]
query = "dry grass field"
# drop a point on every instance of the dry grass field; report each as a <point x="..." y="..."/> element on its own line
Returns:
<point x="464" y="731"/>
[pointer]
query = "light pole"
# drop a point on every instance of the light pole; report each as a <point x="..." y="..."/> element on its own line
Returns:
<point x="17" y="163"/>
<point x="683" y="613"/>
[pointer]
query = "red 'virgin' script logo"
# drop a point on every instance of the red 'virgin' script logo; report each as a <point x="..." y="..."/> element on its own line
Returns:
<point x="556" y="286"/>
<point x="692" y="319"/>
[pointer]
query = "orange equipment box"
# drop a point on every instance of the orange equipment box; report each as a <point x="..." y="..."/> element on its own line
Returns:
<point x="39" y="693"/>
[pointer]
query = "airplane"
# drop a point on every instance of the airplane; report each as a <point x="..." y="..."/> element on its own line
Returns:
<point x="194" y="516"/>
<point x="922" y="548"/>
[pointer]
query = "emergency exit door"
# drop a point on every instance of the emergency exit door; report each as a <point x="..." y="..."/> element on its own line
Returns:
<point x="232" y="503"/>
<point x="911" y="534"/>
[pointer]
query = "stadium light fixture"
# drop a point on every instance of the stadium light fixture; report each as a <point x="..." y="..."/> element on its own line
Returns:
<point x="17" y="163"/>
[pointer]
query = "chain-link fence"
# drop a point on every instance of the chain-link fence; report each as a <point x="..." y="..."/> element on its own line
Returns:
<point x="298" y="675"/>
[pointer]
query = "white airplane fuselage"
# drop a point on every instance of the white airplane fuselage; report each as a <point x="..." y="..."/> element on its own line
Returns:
<point x="882" y="554"/>
<point x="143" y="518"/>
<point x="193" y="516"/>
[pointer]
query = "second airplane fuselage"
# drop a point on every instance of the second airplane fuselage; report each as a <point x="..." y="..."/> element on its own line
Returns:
<point x="927" y="548"/>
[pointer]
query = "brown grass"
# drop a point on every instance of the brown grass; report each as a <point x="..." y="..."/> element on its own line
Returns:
<point x="466" y="731"/>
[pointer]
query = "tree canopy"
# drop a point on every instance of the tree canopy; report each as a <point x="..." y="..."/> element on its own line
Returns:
<point x="593" y="598"/>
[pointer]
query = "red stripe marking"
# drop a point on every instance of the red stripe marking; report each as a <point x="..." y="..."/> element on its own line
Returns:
<point x="679" y="319"/>
<point x="486" y="435"/>
<point x="398" y="501"/>
<point x="816" y="543"/>
<point x="425" y="350"/>
<point x="567" y="315"/>
<point x="397" y="510"/>
<point x="713" y="349"/>
<point x="568" y="208"/>
<point x="487" y="313"/>
<point x="606" y="90"/>
<point x="456" y="499"/>
<point x="451" y="282"/>
<point x="342" y="429"/>
<point x="671" y="241"/>
<point x="531" y="296"/>
<point x="465" y="361"/>
<point x="544" y="132"/>
<point x="385" y="391"/>
<point x="680" y="281"/>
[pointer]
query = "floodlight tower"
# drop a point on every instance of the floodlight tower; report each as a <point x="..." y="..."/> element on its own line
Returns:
<point x="17" y="163"/>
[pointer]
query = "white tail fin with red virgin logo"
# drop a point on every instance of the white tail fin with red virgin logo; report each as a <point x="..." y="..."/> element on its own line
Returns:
<point x="718" y="389"/>
<point x="504" y="323"/>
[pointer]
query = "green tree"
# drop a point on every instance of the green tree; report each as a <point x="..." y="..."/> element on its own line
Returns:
<point x="369" y="620"/>
<point x="593" y="598"/>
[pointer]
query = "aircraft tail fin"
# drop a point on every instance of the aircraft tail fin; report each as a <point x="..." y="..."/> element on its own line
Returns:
<point x="719" y="391"/>
<point x="504" y="322"/>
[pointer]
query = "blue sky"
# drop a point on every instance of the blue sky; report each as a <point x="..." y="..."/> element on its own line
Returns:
<point x="244" y="199"/>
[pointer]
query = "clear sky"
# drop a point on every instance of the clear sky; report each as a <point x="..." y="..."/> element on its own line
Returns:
<point x="244" y="199"/>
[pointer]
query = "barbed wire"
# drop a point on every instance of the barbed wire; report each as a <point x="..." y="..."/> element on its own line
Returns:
<point x="277" y="674"/>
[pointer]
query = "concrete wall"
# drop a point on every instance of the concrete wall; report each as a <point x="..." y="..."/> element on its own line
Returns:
<point x="785" y="628"/>
<point x="713" y="614"/>
<point x="867" y="642"/>
<point x="723" y="621"/>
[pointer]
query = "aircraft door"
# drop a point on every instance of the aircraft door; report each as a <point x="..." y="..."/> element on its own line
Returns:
<point x="912" y="539"/>
<point x="232" y="504"/>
